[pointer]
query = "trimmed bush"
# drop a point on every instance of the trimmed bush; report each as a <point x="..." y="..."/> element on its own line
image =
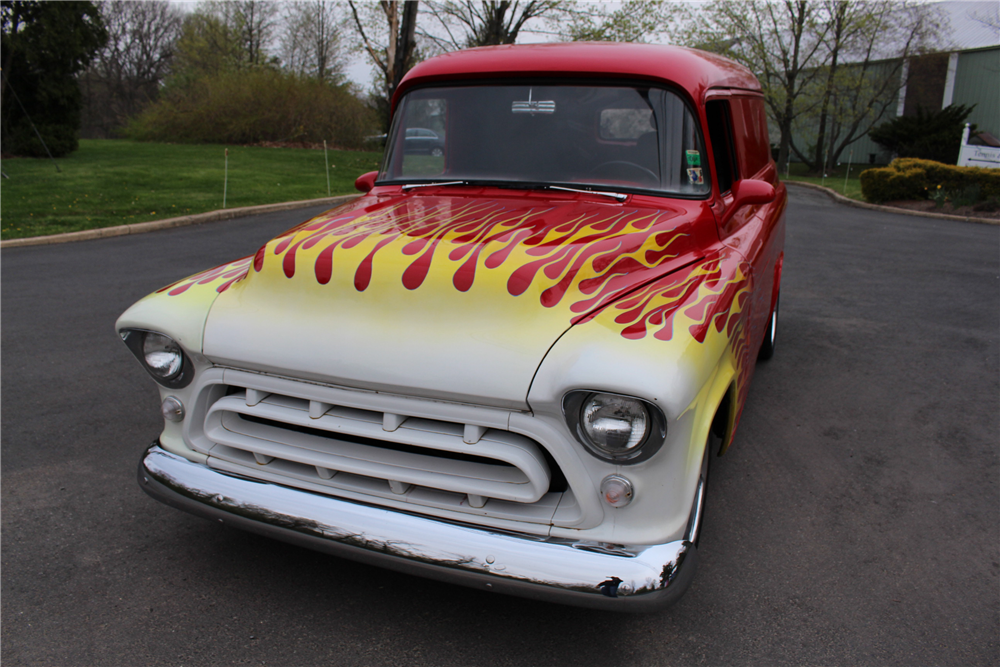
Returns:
<point x="254" y="106"/>
<point x="910" y="178"/>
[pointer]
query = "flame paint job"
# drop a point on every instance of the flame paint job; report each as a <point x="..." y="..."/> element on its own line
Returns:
<point x="712" y="294"/>
<point x="574" y="254"/>
<point x="220" y="278"/>
<point x="574" y="258"/>
<point x="448" y="293"/>
<point x="707" y="291"/>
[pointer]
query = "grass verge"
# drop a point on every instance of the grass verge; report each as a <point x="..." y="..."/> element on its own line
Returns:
<point x="115" y="182"/>
<point x="834" y="179"/>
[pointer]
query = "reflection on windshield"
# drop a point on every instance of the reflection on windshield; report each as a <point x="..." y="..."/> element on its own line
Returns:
<point x="612" y="137"/>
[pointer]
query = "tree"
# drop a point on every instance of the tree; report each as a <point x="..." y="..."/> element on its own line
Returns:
<point x="388" y="34"/>
<point x="930" y="135"/>
<point x="311" y="40"/>
<point x="484" y="23"/>
<point x="253" y="22"/>
<point x="867" y="45"/>
<point x="128" y="72"/>
<point x="44" y="46"/>
<point x="226" y="34"/>
<point x="632" y="21"/>
<point x="781" y="42"/>
<point x="832" y="65"/>
<point x="394" y="55"/>
<point x="206" y="46"/>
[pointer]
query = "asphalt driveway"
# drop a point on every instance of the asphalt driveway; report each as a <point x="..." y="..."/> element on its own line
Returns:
<point x="856" y="521"/>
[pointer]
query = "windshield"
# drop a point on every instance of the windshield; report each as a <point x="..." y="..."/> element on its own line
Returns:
<point x="608" y="137"/>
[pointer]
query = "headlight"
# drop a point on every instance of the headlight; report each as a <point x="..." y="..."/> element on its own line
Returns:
<point x="616" y="428"/>
<point x="614" y="424"/>
<point x="161" y="356"/>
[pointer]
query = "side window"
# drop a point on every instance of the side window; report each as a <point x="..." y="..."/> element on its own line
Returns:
<point x="425" y="141"/>
<point x="721" y="134"/>
<point x="750" y="132"/>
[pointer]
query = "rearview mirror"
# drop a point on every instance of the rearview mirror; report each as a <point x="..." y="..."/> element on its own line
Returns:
<point x="533" y="106"/>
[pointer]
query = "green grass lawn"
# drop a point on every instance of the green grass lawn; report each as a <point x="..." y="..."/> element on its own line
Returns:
<point x="834" y="179"/>
<point x="117" y="182"/>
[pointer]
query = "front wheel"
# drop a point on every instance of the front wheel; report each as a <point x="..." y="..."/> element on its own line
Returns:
<point x="767" y="347"/>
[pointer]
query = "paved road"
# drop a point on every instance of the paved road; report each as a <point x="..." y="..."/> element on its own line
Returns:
<point x="855" y="522"/>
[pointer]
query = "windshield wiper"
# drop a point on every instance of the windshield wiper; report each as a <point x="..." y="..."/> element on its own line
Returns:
<point x="410" y="186"/>
<point x="528" y="185"/>
<point x="514" y="185"/>
<point x="614" y="195"/>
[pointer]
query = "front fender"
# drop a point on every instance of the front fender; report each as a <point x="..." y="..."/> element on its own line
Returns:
<point x="181" y="308"/>
<point x="180" y="311"/>
<point x="679" y="343"/>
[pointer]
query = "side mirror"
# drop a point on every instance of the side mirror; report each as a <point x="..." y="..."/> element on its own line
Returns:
<point x="365" y="182"/>
<point x="748" y="192"/>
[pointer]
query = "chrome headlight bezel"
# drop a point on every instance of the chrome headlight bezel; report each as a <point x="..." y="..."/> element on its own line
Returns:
<point x="575" y="403"/>
<point x="135" y="340"/>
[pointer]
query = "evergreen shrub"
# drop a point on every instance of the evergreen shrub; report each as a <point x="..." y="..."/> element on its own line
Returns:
<point x="913" y="179"/>
<point x="929" y="135"/>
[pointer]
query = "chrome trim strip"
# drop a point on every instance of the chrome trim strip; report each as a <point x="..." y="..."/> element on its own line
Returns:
<point x="587" y="574"/>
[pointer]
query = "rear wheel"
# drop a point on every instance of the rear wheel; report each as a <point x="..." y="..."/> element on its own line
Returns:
<point x="767" y="347"/>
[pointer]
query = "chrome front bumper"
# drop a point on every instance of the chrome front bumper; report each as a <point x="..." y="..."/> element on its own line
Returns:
<point x="586" y="574"/>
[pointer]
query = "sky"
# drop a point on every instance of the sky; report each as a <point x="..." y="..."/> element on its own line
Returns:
<point x="966" y="32"/>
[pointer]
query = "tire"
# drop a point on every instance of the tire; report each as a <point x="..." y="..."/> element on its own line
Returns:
<point x="767" y="347"/>
<point x="437" y="152"/>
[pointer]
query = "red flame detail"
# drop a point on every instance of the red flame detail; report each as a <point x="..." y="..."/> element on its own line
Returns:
<point x="231" y="273"/>
<point x="616" y="244"/>
<point x="594" y="236"/>
<point x="706" y="291"/>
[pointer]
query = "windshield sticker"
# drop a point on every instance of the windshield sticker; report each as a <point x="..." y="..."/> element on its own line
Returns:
<point x="695" y="176"/>
<point x="693" y="158"/>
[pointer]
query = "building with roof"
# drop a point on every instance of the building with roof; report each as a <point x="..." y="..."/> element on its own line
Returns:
<point x="965" y="71"/>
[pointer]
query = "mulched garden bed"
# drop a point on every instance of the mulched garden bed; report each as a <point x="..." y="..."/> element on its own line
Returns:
<point x="946" y="209"/>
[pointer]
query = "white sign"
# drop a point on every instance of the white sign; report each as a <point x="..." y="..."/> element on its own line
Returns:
<point x="977" y="156"/>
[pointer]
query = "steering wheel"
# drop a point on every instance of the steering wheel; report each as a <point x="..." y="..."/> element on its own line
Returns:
<point x="645" y="175"/>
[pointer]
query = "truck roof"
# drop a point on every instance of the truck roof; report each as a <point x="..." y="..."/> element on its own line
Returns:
<point x="690" y="69"/>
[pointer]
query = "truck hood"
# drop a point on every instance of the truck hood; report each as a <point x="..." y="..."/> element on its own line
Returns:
<point x="443" y="297"/>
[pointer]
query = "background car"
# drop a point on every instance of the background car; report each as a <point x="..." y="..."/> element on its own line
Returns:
<point x="420" y="140"/>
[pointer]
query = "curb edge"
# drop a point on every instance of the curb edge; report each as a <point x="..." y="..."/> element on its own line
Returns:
<point x="170" y="223"/>
<point x="889" y="209"/>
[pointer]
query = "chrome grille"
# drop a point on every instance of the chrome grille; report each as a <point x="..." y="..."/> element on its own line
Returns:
<point x="372" y="446"/>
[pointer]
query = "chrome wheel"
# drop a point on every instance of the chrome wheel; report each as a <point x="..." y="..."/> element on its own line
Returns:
<point x="767" y="347"/>
<point x="698" y="507"/>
